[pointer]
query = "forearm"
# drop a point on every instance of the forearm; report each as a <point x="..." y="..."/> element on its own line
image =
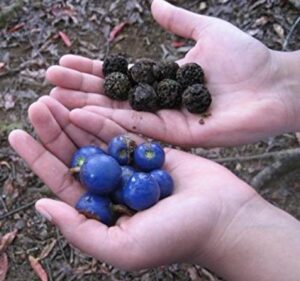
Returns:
<point x="287" y="81"/>
<point x="262" y="243"/>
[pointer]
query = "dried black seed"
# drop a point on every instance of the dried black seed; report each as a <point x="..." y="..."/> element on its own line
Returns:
<point x="196" y="98"/>
<point x="165" y="70"/>
<point x="117" y="86"/>
<point x="190" y="74"/>
<point x="143" y="98"/>
<point x="169" y="94"/>
<point x="142" y="71"/>
<point x="115" y="63"/>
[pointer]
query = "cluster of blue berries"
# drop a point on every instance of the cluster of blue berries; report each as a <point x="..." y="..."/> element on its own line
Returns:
<point x="126" y="178"/>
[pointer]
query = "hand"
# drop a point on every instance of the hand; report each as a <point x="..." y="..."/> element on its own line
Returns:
<point x="185" y="227"/>
<point x="212" y="219"/>
<point x="242" y="74"/>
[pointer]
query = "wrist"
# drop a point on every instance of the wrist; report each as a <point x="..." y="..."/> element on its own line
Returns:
<point x="287" y="85"/>
<point x="260" y="243"/>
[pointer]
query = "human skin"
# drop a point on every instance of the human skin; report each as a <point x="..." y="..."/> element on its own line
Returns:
<point x="212" y="219"/>
<point x="255" y="90"/>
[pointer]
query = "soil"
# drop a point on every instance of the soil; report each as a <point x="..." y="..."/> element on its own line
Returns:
<point x="34" y="35"/>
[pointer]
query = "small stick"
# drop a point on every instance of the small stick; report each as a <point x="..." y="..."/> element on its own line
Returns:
<point x="74" y="170"/>
<point x="276" y="154"/>
<point x="17" y="210"/>
<point x="286" y="41"/>
<point x="121" y="209"/>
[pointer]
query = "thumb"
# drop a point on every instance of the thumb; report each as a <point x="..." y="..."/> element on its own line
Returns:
<point x="178" y="20"/>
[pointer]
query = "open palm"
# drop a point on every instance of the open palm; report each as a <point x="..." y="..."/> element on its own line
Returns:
<point x="239" y="73"/>
<point x="183" y="227"/>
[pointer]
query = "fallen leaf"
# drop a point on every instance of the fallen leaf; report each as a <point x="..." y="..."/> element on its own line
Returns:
<point x="38" y="269"/>
<point x="17" y="27"/>
<point x="6" y="240"/>
<point x="261" y="21"/>
<point x="279" y="30"/>
<point x="116" y="30"/>
<point x="202" y="6"/>
<point x="298" y="137"/>
<point x="177" y="44"/>
<point x="46" y="251"/>
<point x="9" y="192"/>
<point x="3" y="266"/>
<point x="2" y="64"/>
<point x="60" y="11"/>
<point x="65" y="38"/>
<point x="8" y="101"/>
<point x="194" y="276"/>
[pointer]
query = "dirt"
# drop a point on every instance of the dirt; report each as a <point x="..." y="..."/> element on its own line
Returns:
<point x="35" y="36"/>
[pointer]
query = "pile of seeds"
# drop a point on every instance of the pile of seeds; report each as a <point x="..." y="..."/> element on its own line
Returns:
<point x="151" y="86"/>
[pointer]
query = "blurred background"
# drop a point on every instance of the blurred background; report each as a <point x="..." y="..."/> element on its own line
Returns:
<point x="34" y="34"/>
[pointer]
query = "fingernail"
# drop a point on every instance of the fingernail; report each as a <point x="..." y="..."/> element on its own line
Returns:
<point x="44" y="213"/>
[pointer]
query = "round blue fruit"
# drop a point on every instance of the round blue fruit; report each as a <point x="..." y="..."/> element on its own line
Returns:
<point x="117" y="195"/>
<point x="141" y="192"/>
<point x="100" y="174"/>
<point x="81" y="154"/>
<point x="95" y="207"/>
<point x="149" y="156"/>
<point x="121" y="148"/>
<point x="164" y="181"/>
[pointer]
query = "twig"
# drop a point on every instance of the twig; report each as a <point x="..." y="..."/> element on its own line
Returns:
<point x="293" y="28"/>
<point x="49" y="271"/>
<point x="17" y="210"/>
<point x="61" y="247"/>
<point x="275" y="154"/>
<point x="3" y="204"/>
<point x="280" y="167"/>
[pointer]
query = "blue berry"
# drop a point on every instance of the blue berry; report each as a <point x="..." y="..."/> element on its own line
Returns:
<point x="164" y="181"/>
<point x="141" y="192"/>
<point x="117" y="195"/>
<point x="100" y="174"/>
<point x="81" y="154"/>
<point x="121" y="148"/>
<point x="149" y="156"/>
<point x="95" y="207"/>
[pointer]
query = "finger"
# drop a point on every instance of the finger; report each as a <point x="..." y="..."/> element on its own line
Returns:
<point x="50" y="133"/>
<point x="178" y="20"/>
<point x="46" y="166"/>
<point x="82" y="64"/>
<point x="73" y="79"/>
<point x="79" y="136"/>
<point x="157" y="126"/>
<point x="110" y="245"/>
<point x="99" y="125"/>
<point x="76" y="99"/>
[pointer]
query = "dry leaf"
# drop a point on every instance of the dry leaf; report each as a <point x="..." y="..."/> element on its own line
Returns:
<point x="194" y="276"/>
<point x="279" y="30"/>
<point x="3" y="266"/>
<point x="177" y="44"/>
<point x="261" y="21"/>
<point x="298" y="137"/>
<point x="38" y="269"/>
<point x="8" y="101"/>
<point x="17" y="27"/>
<point x="10" y="192"/>
<point x="116" y="30"/>
<point x="202" y="6"/>
<point x="6" y="240"/>
<point x="46" y="251"/>
<point x="65" y="39"/>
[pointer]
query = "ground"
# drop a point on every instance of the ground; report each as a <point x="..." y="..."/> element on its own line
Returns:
<point x="30" y="42"/>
